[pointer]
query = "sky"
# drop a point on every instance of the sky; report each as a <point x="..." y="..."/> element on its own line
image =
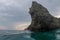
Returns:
<point x="14" y="14"/>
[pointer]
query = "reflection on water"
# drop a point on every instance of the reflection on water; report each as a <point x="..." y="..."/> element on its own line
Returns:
<point x="44" y="36"/>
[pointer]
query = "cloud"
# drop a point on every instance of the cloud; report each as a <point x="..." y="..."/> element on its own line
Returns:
<point x="21" y="26"/>
<point x="3" y="28"/>
<point x="12" y="11"/>
<point x="15" y="13"/>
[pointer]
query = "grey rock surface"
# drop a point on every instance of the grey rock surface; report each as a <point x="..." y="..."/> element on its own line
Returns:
<point x="42" y="20"/>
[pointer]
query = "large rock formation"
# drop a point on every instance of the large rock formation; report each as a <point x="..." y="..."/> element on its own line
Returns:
<point x="42" y="20"/>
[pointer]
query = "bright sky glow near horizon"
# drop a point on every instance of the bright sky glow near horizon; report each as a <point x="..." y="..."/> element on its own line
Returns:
<point x="14" y="14"/>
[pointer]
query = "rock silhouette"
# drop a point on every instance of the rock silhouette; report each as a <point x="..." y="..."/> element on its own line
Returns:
<point x="42" y="20"/>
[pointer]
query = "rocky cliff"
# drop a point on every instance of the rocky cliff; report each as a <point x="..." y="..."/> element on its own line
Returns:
<point x="42" y="20"/>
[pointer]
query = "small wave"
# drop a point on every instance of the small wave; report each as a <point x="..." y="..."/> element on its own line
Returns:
<point x="15" y="35"/>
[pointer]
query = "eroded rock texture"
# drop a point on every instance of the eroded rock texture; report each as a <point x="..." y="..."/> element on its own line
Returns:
<point x="42" y="20"/>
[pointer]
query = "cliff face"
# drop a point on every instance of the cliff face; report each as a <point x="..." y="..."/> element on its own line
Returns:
<point x="41" y="19"/>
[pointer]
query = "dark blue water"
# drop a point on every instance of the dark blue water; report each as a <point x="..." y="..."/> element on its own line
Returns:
<point x="27" y="35"/>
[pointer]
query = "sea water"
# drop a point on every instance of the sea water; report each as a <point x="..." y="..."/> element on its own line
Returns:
<point x="28" y="35"/>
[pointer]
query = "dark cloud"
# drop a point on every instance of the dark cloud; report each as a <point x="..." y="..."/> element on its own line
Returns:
<point x="13" y="11"/>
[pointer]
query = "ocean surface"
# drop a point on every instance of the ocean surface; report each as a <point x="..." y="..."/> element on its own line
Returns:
<point x="28" y="35"/>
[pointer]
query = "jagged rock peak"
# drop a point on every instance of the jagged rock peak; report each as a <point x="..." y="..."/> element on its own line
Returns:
<point x="42" y="20"/>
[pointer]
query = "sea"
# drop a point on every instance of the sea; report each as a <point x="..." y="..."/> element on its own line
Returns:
<point x="28" y="35"/>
